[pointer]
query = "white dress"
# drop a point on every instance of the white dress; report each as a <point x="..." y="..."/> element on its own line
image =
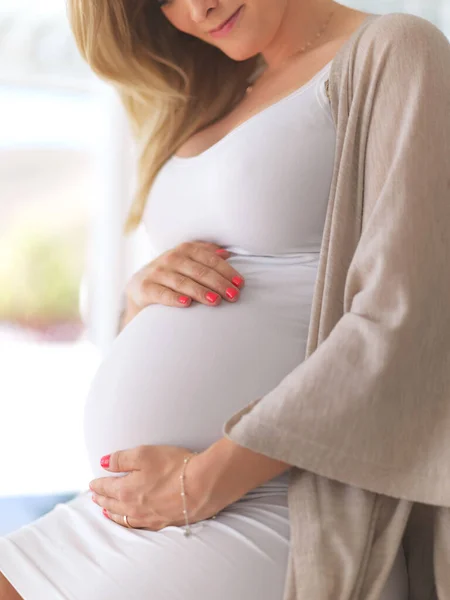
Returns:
<point x="174" y="376"/>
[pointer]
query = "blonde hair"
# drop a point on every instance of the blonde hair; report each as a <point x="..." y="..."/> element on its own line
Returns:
<point x="171" y="84"/>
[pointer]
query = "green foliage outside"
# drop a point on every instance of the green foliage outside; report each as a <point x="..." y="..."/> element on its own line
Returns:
<point x="40" y="275"/>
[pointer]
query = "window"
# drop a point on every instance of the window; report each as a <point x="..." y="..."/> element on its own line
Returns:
<point x="64" y="183"/>
<point x="66" y="177"/>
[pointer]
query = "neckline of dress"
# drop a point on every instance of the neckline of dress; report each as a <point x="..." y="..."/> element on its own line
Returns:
<point x="188" y="159"/>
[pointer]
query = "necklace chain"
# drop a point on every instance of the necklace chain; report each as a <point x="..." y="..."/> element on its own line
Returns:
<point x="303" y="48"/>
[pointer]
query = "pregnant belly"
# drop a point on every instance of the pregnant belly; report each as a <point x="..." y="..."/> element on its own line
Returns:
<point x="174" y="376"/>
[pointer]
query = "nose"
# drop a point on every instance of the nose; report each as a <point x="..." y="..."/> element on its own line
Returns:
<point x="199" y="9"/>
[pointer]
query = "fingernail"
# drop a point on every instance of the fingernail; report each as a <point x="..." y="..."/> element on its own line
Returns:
<point x="211" y="296"/>
<point x="231" y="293"/>
<point x="105" y="512"/>
<point x="104" y="461"/>
<point x="221" y="251"/>
<point x="237" y="281"/>
<point x="93" y="498"/>
<point x="183" y="299"/>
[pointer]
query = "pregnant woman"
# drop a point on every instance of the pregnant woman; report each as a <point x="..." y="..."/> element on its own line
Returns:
<point x="244" y="159"/>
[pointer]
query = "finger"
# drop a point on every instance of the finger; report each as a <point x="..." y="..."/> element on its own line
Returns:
<point x="160" y="293"/>
<point x="200" y="280"/>
<point x="223" y="253"/>
<point x="211" y="256"/>
<point x="112" y="505"/>
<point x="106" y="486"/>
<point x="217" y="248"/>
<point x="119" y="519"/>
<point x="215" y="260"/>
<point x="122" y="461"/>
<point x="202" y="275"/>
<point x="173" y="282"/>
<point x="209" y="245"/>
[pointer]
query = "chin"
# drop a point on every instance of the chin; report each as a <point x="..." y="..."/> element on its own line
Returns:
<point x="240" y="54"/>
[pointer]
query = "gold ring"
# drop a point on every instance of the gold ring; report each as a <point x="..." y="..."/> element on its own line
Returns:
<point x="125" y="520"/>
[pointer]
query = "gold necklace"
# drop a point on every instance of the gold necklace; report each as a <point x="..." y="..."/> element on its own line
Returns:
<point x="302" y="49"/>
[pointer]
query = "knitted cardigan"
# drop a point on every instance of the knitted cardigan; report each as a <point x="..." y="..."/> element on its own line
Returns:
<point x="364" y="420"/>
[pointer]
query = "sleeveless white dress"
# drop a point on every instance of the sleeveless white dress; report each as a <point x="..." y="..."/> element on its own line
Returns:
<point x="174" y="376"/>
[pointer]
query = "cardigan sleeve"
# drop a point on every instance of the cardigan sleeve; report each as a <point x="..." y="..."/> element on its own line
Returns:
<point x="370" y="406"/>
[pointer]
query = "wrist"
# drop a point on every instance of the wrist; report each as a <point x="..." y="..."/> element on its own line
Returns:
<point x="226" y="471"/>
<point x="128" y="310"/>
<point x="128" y="304"/>
<point x="201" y="487"/>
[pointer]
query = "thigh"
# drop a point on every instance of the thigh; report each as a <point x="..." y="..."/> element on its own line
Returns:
<point x="7" y="592"/>
<point x="74" y="553"/>
<point x="242" y="554"/>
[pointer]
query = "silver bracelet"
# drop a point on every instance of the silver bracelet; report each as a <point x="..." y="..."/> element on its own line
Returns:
<point x="187" y="531"/>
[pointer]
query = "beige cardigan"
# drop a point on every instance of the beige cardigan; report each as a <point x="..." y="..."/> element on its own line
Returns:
<point x="365" y="419"/>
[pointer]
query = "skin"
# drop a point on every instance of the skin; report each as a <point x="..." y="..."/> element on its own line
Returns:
<point x="7" y="592"/>
<point x="275" y="29"/>
<point x="226" y="471"/>
<point x="278" y="31"/>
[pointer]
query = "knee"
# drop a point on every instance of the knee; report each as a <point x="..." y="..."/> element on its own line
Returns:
<point x="7" y="592"/>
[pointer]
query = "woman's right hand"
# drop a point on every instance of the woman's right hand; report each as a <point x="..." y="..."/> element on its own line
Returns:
<point x="191" y="271"/>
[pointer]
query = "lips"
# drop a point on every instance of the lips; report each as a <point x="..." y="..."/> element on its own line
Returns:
<point x="225" y="22"/>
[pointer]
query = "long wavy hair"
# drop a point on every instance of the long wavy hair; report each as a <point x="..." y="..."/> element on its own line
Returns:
<point x="171" y="84"/>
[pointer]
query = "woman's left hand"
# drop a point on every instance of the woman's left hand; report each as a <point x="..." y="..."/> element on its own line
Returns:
<point x="150" y="492"/>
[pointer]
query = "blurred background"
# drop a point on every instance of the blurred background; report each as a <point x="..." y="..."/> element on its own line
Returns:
<point x="66" y="182"/>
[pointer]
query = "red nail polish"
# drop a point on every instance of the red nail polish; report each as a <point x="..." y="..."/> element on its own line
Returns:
<point x="211" y="296"/>
<point x="183" y="299"/>
<point x="93" y="498"/>
<point x="105" y="512"/>
<point x="104" y="461"/>
<point x="221" y="251"/>
<point x="231" y="293"/>
<point x="237" y="281"/>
